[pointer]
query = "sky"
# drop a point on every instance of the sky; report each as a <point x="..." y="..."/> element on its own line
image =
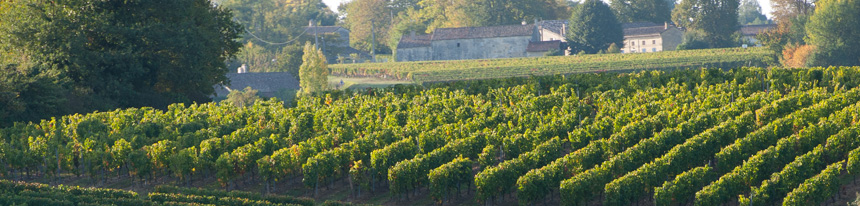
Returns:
<point x="765" y="5"/>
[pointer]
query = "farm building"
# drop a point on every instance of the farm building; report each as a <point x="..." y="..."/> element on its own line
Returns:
<point x="643" y="37"/>
<point x="268" y="84"/>
<point x="751" y="31"/>
<point x="492" y="42"/>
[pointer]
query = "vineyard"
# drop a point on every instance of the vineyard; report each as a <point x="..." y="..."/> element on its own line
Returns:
<point x="701" y="137"/>
<point x="440" y="71"/>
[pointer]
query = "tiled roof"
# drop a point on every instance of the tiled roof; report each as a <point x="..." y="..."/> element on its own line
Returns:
<point x="637" y="25"/>
<point x="752" y="30"/>
<point x="407" y="41"/>
<point x="482" y="32"/>
<point x="554" y="26"/>
<point x="321" y="29"/>
<point x="641" y="31"/>
<point x="263" y="82"/>
<point x="543" y="46"/>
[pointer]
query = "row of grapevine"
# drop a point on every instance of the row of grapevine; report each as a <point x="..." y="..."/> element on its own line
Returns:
<point x="756" y="168"/>
<point x="624" y="190"/>
<point x="616" y="122"/>
<point x="497" y="180"/>
<point x="699" y="148"/>
<point x="815" y="190"/>
<point x="731" y="184"/>
<point x="587" y="184"/>
<point x="449" y="176"/>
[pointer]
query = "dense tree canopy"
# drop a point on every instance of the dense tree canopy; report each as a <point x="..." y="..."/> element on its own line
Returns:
<point x="786" y="10"/>
<point x="834" y="29"/>
<point x="749" y="12"/>
<point x="593" y="28"/>
<point x="274" y="31"/>
<point x="717" y="19"/>
<point x="656" y="11"/>
<point x="114" y="53"/>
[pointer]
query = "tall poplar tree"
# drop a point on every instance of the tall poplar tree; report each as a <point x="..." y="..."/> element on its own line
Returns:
<point x="314" y="71"/>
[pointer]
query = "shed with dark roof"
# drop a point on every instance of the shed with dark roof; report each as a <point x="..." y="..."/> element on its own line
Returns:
<point x="268" y="84"/>
<point x="537" y="49"/>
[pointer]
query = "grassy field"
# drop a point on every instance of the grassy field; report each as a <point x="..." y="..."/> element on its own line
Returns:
<point x="434" y="71"/>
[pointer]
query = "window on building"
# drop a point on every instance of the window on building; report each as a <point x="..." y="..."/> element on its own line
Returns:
<point x="654" y="49"/>
<point x="643" y="42"/>
<point x="643" y="50"/>
<point x="633" y="43"/>
<point x="653" y="41"/>
<point x="458" y="44"/>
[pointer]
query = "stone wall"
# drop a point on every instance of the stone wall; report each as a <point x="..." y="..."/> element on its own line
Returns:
<point x="672" y="37"/>
<point x="547" y="35"/>
<point x="484" y="48"/>
<point x="414" y="54"/>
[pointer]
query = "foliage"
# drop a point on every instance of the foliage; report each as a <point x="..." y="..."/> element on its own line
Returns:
<point x="656" y="11"/>
<point x="593" y="27"/>
<point x="717" y="19"/>
<point x="120" y="54"/>
<point x="243" y="98"/>
<point x="361" y="16"/>
<point x="449" y="176"/>
<point x="797" y="56"/>
<point x="834" y="29"/>
<point x="313" y="73"/>
<point x="275" y="30"/>
<point x="749" y="13"/>
<point x="786" y="10"/>
<point x="693" y="39"/>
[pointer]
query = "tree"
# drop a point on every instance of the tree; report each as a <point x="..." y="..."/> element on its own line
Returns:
<point x="427" y="15"/>
<point x="834" y="30"/>
<point x="749" y="12"/>
<point x="785" y="10"/>
<point x="656" y="11"/>
<point x="121" y="53"/>
<point x="717" y="19"/>
<point x="275" y="31"/>
<point x="365" y="20"/>
<point x="593" y="27"/>
<point x="243" y="98"/>
<point x="313" y="74"/>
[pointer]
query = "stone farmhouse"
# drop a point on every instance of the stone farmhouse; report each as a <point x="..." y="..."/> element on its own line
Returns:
<point x="551" y="30"/>
<point x="751" y="31"/>
<point x="643" y="37"/>
<point x="492" y="42"/>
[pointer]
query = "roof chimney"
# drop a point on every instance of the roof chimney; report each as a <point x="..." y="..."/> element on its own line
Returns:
<point x="412" y="34"/>
<point x="665" y="25"/>
<point x="524" y="22"/>
<point x="563" y="29"/>
<point x="311" y="23"/>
